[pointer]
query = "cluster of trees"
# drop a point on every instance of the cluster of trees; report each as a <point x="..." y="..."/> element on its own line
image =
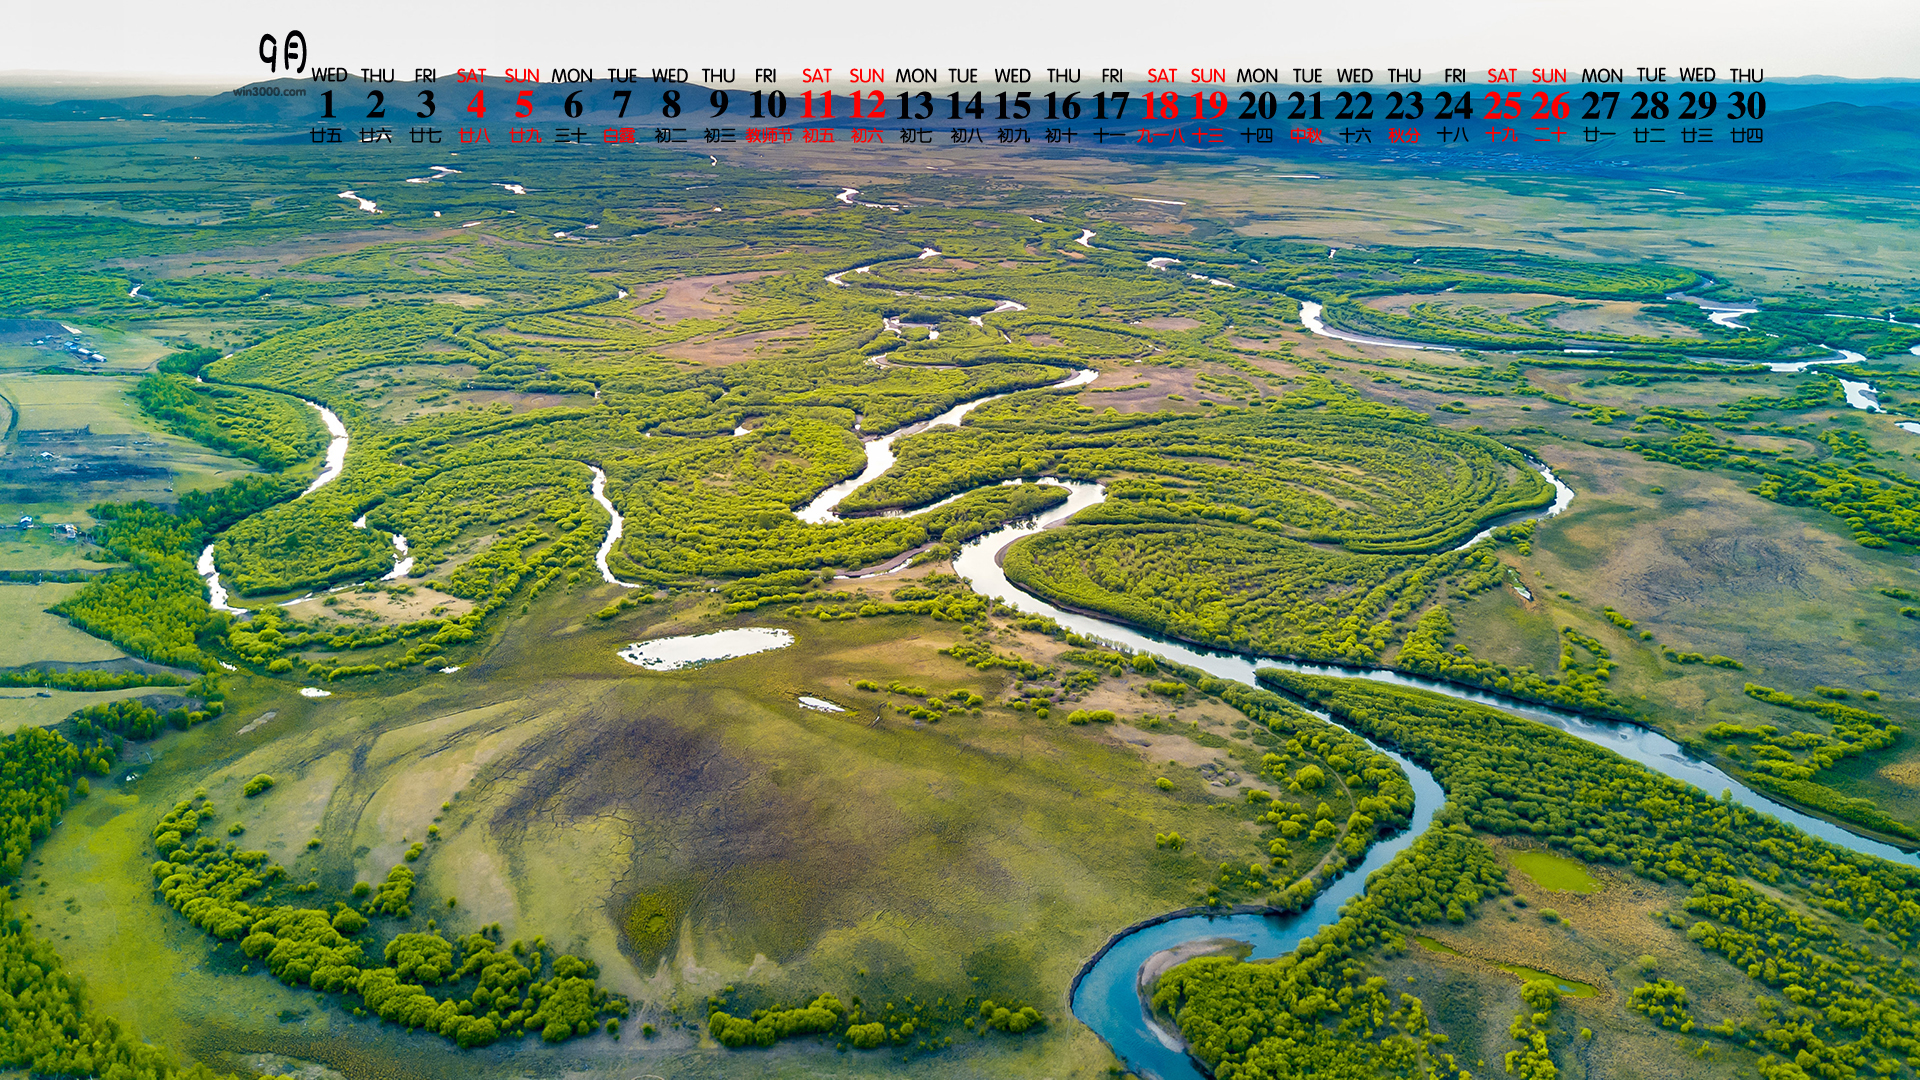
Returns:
<point x="1664" y="1002"/>
<point x="224" y="891"/>
<point x="1534" y="1059"/>
<point x="1425" y="652"/>
<point x="135" y="719"/>
<point x="37" y="768"/>
<point x="1763" y="895"/>
<point x="84" y="679"/>
<point x="271" y="430"/>
<point x="1715" y="660"/>
<point x="864" y="1028"/>
<point x="982" y="657"/>
<point x="768" y="1026"/>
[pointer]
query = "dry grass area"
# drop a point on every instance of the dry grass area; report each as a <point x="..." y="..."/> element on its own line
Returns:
<point x="720" y="351"/>
<point x="407" y="392"/>
<point x="708" y="296"/>
<point x="1127" y="393"/>
<point x="376" y="603"/>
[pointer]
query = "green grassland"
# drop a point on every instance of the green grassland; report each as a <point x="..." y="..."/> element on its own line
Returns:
<point x="92" y="421"/>
<point x="45" y="636"/>
<point x="683" y="790"/>
<point x="31" y="550"/>
<point x="958" y="833"/>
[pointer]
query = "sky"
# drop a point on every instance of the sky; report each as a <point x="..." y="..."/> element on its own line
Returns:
<point x="215" y="44"/>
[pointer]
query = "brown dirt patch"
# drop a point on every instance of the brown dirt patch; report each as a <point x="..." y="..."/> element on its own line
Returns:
<point x="709" y="296"/>
<point x="722" y="351"/>
<point x="380" y="604"/>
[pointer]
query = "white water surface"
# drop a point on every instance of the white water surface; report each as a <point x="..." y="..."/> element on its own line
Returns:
<point x="336" y="449"/>
<point x="880" y="456"/>
<point x="314" y="692"/>
<point x="1310" y="318"/>
<point x="402" y="562"/>
<point x="819" y="704"/>
<point x="1861" y="395"/>
<point x="1794" y="367"/>
<point x="613" y="531"/>
<point x="365" y="204"/>
<point x="216" y="594"/>
<point x="688" y="650"/>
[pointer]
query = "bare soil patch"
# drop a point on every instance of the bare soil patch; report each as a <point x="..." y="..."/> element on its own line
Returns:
<point x="706" y="297"/>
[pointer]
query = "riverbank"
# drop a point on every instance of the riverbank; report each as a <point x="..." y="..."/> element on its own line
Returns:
<point x="1167" y="959"/>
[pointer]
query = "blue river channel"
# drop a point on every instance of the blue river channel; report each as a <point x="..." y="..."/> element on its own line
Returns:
<point x="1107" y="997"/>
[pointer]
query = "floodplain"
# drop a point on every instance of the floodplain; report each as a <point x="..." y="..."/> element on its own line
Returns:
<point x="335" y="837"/>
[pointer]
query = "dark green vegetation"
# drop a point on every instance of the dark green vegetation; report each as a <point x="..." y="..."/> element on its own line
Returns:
<point x="918" y="1025"/>
<point x="1000" y="796"/>
<point x="87" y="680"/>
<point x="45" y="1025"/>
<point x="227" y="893"/>
<point x="269" y="430"/>
<point x="157" y="608"/>
<point x="1824" y="929"/>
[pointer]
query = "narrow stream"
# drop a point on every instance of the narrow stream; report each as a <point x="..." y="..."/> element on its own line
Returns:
<point x="1860" y="395"/>
<point x="880" y="456"/>
<point x="336" y="461"/>
<point x="1310" y="318"/>
<point x="614" y="530"/>
<point x="336" y="449"/>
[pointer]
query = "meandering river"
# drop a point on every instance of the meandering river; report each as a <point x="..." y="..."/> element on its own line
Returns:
<point x="1105" y="994"/>
<point x="335" y="463"/>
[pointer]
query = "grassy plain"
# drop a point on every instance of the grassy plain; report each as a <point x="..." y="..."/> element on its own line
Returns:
<point x="36" y="549"/>
<point x="78" y="440"/>
<point x="45" y="636"/>
<point x="801" y="850"/>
